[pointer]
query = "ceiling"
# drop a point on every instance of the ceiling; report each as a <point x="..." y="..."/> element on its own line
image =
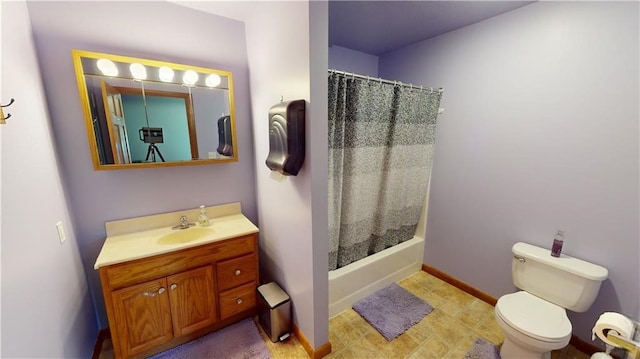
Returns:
<point x="377" y="27"/>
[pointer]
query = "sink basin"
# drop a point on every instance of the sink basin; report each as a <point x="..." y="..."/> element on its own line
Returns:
<point x="185" y="235"/>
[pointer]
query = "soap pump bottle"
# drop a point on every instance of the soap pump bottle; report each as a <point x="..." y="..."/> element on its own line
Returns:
<point x="202" y="218"/>
<point x="558" y="241"/>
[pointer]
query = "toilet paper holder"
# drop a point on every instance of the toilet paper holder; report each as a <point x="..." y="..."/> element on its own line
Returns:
<point x="632" y="346"/>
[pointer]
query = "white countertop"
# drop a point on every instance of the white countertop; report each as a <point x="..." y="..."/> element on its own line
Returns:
<point x="141" y="244"/>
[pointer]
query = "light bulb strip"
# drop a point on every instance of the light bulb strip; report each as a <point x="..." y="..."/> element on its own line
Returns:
<point x="165" y="74"/>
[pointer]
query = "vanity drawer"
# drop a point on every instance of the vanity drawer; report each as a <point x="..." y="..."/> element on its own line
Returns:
<point x="237" y="300"/>
<point x="235" y="247"/>
<point x="233" y="272"/>
<point x="142" y="270"/>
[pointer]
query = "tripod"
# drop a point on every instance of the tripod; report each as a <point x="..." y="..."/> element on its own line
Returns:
<point x="151" y="151"/>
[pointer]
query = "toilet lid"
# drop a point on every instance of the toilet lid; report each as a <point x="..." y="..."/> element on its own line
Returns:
<point x="534" y="317"/>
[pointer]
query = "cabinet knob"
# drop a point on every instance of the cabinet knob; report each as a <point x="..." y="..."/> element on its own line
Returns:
<point x="239" y="301"/>
<point x="173" y="286"/>
<point x="238" y="272"/>
<point x="161" y="290"/>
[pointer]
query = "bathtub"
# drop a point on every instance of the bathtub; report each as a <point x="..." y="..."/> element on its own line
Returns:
<point x="357" y="280"/>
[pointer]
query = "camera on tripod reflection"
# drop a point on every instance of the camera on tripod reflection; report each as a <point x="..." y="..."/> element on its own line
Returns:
<point x="151" y="135"/>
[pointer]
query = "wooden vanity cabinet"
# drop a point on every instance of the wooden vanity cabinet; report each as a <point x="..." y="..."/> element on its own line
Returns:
<point x="162" y="301"/>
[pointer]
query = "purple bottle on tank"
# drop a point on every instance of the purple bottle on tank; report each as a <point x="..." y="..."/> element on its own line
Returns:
<point x="558" y="241"/>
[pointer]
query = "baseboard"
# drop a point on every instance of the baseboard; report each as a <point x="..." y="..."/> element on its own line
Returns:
<point x="320" y="352"/>
<point x="103" y="335"/>
<point x="460" y="284"/>
<point x="578" y="343"/>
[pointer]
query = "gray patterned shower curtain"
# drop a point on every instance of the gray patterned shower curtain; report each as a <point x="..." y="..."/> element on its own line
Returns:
<point x="381" y="140"/>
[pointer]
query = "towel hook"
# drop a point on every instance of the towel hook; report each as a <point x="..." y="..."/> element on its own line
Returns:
<point x="2" y="116"/>
<point x="10" y="103"/>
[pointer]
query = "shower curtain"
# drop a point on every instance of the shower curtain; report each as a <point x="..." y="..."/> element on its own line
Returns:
<point x="381" y="138"/>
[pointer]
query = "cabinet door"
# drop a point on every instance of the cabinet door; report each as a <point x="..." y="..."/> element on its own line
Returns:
<point x="193" y="303"/>
<point x="143" y="318"/>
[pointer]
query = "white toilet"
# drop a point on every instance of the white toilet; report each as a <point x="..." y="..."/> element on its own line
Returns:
<point x="534" y="320"/>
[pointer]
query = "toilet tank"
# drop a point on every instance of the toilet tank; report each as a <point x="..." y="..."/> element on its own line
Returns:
<point x="566" y="281"/>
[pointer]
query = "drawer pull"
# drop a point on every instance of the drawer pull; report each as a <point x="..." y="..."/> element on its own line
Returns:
<point x="239" y="301"/>
<point x="153" y="294"/>
<point x="173" y="286"/>
<point x="238" y="272"/>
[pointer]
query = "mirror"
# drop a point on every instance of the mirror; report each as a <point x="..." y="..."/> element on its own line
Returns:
<point x="147" y="113"/>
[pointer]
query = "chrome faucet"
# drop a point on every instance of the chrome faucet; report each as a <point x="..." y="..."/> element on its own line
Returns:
<point x="184" y="223"/>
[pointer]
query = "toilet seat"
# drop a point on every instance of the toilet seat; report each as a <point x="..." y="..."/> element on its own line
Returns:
<point x="534" y="317"/>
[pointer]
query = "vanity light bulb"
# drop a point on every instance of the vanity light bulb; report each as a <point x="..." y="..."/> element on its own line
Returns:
<point x="107" y="67"/>
<point x="138" y="71"/>
<point x="190" y="77"/>
<point x="166" y="74"/>
<point x="213" y="80"/>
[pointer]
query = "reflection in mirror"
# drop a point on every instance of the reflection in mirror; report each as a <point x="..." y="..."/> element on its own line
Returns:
<point x="146" y="113"/>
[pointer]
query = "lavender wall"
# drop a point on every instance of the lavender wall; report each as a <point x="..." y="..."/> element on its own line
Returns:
<point x="343" y="59"/>
<point x="283" y="205"/>
<point x="540" y="132"/>
<point x="46" y="305"/>
<point x="156" y="30"/>
<point x="319" y="164"/>
<point x="293" y="212"/>
<point x="291" y="239"/>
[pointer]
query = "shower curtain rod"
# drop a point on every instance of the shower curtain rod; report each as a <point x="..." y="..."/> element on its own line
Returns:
<point x="378" y="79"/>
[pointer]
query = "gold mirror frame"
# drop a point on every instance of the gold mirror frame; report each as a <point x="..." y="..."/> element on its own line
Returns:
<point x="85" y="74"/>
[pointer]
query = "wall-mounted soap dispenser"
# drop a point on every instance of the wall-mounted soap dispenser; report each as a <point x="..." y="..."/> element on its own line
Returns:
<point x="286" y="137"/>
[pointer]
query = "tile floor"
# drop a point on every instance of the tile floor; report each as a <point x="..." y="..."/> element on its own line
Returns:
<point x="447" y="332"/>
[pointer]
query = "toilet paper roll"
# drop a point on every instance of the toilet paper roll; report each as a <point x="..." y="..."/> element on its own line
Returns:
<point x="617" y="322"/>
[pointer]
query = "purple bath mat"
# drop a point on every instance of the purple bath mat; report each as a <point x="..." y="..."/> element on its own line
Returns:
<point x="238" y="341"/>
<point x="392" y="310"/>
<point x="482" y="349"/>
